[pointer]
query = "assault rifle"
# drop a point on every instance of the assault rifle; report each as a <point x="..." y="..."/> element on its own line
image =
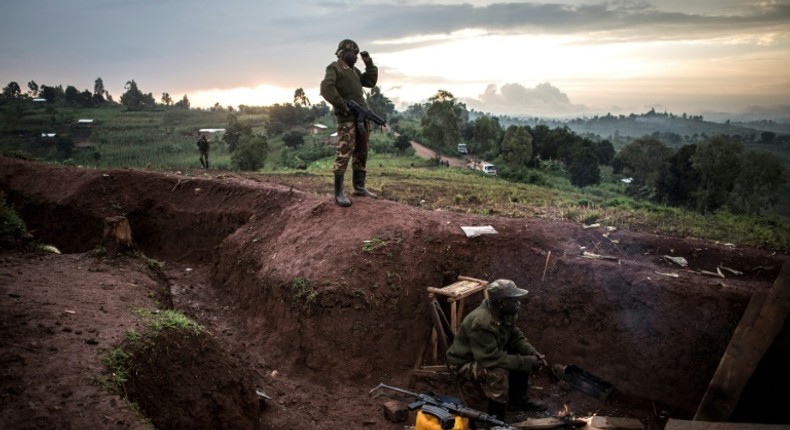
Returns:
<point x="441" y="408"/>
<point x="362" y="113"/>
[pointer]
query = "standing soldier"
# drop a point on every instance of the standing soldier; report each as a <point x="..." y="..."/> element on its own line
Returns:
<point x="342" y="82"/>
<point x="203" y="146"/>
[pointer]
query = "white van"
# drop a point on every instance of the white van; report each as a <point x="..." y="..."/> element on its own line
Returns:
<point x="462" y="148"/>
<point x="488" y="169"/>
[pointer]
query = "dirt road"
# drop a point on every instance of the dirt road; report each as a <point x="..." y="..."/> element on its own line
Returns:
<point x="429" y="153"/>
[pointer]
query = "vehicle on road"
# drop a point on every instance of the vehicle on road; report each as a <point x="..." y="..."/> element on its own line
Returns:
<point x="462" y="148"/>
<point x="488" y="169"/>
<point x="483" y="166"/>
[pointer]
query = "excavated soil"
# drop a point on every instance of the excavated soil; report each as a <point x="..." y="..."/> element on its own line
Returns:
<point x="315" y="304"/>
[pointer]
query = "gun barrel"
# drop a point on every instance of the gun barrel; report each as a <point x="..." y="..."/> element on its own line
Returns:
<point x="396" y="389"/>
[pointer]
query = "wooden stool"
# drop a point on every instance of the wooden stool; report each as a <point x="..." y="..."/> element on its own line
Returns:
<point x="456" y="294"/>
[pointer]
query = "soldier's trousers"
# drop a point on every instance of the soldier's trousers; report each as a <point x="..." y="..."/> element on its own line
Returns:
<point x="497" y="383"/>
<point x="351" y="145"/>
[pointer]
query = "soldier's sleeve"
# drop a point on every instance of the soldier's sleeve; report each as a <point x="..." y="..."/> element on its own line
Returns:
<point x="486" y="351"/>
<point x="519" y="344"/>
<point x="329" y="89"/>
<point x="370" y="76"/>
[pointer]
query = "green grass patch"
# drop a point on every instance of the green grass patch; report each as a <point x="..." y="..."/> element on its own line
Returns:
<point x="303" y="292"/>
<point x="120" y="360"/>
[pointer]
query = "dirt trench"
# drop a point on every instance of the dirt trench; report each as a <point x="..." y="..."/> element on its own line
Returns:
<point x="336" y="297"/>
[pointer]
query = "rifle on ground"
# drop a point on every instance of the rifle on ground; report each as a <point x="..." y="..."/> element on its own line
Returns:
<point x="445" y="411"/>
<point x="362" y="113"/>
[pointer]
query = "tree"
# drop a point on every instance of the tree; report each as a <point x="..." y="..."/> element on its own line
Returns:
<point x="540" y="147"/>
<point x="767" y="136"/>
<point x="584" y="168"/>
<point x="442" y="121"/>
<point x="234" y="131"/>
<point x="52" y="94"/>
<point x="642" y="160"/>
<point x="32" y="88"/>
<point x="282" y="117"/>
<point x="72" y="95"/>
<point x="98" y="91"/>
<point x="606" y="152"/>
<point x="402" y="142"/>
<point x="379" y="103"/>
<point x="251" y="152"/>
<point x="759" y="183"/>
<point x="319" y="109"/>
<point x="293" y="139"/>
<point x="486" y="133"/>
<point x="554" y="144"/>
<point x="183" y="103"/>
<point x="134" y="99"/>
<point x="166" y="99"/>
<point x="717" y="162"/>
<point x="517" y="147"/>
<point x="300" y="98"/>
<point x="678" y="183"/>
<point x="415" y="111"/>
<point x="86" y="99"/>
<point x="12" y="91"/>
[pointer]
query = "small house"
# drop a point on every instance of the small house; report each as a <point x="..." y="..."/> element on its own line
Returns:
<point x="316" y="129"/>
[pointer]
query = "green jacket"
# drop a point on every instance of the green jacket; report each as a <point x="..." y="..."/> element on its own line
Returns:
<point x="342" y="82"/>
<point x="485" y="339"/>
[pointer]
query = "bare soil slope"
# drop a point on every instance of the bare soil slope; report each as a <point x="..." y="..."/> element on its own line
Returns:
<point x="322" y="303"/>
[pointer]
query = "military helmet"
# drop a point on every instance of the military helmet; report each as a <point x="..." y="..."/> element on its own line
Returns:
<point x="504" y="288"/>
<point x="347" y="44"/>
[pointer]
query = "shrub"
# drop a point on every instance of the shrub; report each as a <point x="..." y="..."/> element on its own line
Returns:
<point x="12" y="227"/>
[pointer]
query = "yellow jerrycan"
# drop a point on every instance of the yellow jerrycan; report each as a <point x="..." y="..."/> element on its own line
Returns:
<point x="435" y="418"/>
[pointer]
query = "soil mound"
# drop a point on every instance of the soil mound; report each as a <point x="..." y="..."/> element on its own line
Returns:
<point x="185" y="379"/>
<point x="333" y="300"/>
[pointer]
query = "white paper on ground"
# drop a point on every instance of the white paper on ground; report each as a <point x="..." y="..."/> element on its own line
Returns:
<point x="474" y="231"/>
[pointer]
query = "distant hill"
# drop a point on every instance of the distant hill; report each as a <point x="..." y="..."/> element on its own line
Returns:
<point x="682" y="128"/>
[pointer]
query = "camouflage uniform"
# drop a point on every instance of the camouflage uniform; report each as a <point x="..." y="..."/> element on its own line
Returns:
<point x="349" y="145"/>
<point x="342" y="82"/>
<point x="492" y="352"/>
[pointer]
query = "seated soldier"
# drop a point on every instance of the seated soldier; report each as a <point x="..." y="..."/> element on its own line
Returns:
<point x="490" y="350"/>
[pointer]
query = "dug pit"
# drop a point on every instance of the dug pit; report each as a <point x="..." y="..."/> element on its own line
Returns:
<point x="322" y="303"/>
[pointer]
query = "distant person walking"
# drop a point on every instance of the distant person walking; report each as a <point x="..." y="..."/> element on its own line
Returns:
<point x="203" y="145"/>
<point x="342" y="82"/>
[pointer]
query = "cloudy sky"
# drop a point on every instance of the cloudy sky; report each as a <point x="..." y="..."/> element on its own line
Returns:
<point x="538" y="58"/>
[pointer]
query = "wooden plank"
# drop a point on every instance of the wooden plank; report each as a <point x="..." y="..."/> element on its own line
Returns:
<point x="761" y="322"/>
<point x="616" y="423"/>
<point x="548" y="423"/>
<point x="467" y="278"/>
<point x="674" y="424"/>
<point x="458" y="290"/>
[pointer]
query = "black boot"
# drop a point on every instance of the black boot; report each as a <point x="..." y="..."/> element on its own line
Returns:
<point x="340" y="198"/>
<point x="497" y="409"/>
<point x="359" y="185"/>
